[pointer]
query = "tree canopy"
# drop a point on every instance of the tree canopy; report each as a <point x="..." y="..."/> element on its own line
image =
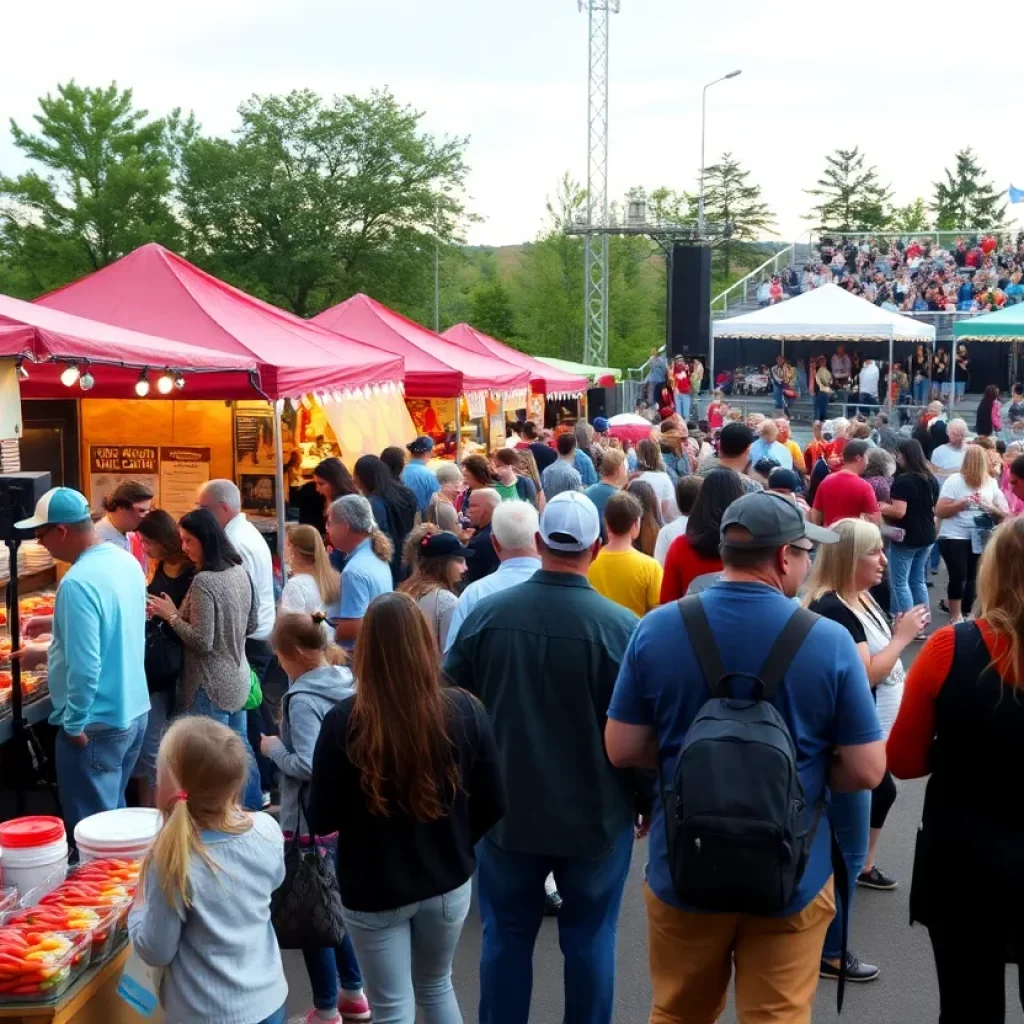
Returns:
<point x="965" y="199"/>
<point x="851" y="198"/>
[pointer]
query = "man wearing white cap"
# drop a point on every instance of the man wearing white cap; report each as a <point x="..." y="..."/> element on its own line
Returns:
<point x="543" y="657"/>
<point x="96" y="660"/>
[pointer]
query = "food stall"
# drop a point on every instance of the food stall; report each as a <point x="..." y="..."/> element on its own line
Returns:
<point x="243" y="433"/>
<point x="447" y="387"/>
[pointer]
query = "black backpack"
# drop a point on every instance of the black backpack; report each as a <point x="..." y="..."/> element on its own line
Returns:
<point x="737" y="827"/>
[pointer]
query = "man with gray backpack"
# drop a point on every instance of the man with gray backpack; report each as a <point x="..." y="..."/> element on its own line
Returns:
<point x="750" y="709"/>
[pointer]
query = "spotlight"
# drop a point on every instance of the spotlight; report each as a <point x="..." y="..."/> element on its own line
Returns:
<point x="69" y="376"/>
<point x="22" y="372"/>
<point x="86" y="381"/>
<point x="142" y="385"/>
<point x="179" y="382"/>
<point x="165" y="384"/>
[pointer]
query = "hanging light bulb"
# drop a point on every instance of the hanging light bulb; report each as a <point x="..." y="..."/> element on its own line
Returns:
<point x="179" y="382"/>
<point x="69" y="376"/>
<point x="22" y="372"/>
<point x="142" y="385"/>
<point x="86" y="381"/>
<point x="165" y="384"/>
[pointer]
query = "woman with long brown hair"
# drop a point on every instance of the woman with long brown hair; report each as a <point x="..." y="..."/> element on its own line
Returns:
<point x="651" y="522"/>
<point x="406" y="772"/>
<point x="962" y="723"/>
<point x="436" y="563"/>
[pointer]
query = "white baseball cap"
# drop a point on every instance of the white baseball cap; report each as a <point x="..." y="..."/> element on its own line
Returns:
<point x="60" y="506"/>
<point x="570" y="522"/>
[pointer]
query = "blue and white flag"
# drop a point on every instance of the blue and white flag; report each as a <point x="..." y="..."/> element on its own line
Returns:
<point x="1016" y="195"/>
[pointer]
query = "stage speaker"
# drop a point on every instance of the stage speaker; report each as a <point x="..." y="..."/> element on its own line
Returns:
<point x="602" y="402"/>
<point x="19" y="493"/>
<point x="689" y="301"/>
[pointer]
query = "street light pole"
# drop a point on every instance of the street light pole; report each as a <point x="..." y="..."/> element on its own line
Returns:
<point x="437" y="269"/>
<point x="703" y="117"/>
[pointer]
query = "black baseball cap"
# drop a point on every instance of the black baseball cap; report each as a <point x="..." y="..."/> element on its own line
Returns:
<point x="782" y="479"/>
<point x="772" y="522"/>
<point x="735" y="439"/>
<point x="442" y="545"/>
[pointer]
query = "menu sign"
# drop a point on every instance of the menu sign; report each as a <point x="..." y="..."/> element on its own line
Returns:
<point x="183" y="471"/>
<point x="112" y="464"/>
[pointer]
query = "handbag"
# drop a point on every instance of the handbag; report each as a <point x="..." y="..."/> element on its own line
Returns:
<point x="255" y="698"/>
<point x="306" y="909"/>
<point x="164" y="656"/>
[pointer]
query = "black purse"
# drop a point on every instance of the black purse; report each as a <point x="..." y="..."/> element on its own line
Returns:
<point x="165" y="656"/>
<point x="306" y="909"/>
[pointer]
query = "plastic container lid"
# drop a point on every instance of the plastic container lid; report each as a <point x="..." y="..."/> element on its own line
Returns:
<point x="112" y="830"/>
<point x="35" y="830"/>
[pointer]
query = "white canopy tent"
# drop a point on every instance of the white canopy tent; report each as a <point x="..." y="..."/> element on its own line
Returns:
<point x="828" y="313"/>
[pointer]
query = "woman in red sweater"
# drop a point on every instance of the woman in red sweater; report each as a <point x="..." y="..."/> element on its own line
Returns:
<point x="696" y="552"/>
<point x="962" y="723"/>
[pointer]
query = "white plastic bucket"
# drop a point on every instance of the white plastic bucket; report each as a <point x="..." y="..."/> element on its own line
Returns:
<point x="35" y="855"/>
<point x="126" y="834"/>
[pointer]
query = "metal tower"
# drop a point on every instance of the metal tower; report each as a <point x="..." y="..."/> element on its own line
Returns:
<point x="595" y="313"/>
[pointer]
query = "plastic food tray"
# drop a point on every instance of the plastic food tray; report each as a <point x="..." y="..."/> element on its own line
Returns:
<point x="62" y="969"/>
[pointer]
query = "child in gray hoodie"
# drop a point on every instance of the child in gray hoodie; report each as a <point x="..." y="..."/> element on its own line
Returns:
<point x="319" y="680"/>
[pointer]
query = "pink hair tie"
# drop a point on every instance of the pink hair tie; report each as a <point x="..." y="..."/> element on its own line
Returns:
<point x="179" y="797"/>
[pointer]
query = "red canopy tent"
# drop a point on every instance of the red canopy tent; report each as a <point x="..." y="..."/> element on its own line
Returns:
<point x="434" y="368"/>
<point x="544" y="379"/>
<point x="49" y="341"/>
<point x="155" y="291"/>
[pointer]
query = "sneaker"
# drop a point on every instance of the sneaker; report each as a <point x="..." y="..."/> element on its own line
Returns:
<point x="313" y="1017"/>
<point x="875" y="879"/>
<point x="353" y="1006"/>
<point x="856" y="970"/>
<point x="552" y="903"/>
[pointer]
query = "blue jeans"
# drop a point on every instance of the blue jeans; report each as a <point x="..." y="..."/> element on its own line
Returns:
<point x="327" y="967"/>
<point x="156" y="726"/>
<point x="683" y="405"/>
<point x="511" y="891"/>
<point x="850" y="815"/>
<point x="961" y="387"/>
<point x="278" y="1017"/>
<point x="252" y="797"/>
<point x="820" y="406"/>
<point x="92" y="778"/>
<point x="406" y="957"/>
<point x="921" y="391"/>
<point x="935" y="558"/>
<point x="780" y="398"/>
<point x="907" y="577"/>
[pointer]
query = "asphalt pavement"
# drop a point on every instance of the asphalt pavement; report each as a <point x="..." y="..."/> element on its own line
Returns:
<point x="905" y="993"/>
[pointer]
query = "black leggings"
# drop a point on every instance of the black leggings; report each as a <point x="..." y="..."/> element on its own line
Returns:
<point x="962" y="565"/>
<point x="883" y="796"/>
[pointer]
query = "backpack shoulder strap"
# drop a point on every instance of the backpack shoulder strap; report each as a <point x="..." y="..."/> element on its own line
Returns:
<point x="699" y="631"/>
<point x="785" y="649"/>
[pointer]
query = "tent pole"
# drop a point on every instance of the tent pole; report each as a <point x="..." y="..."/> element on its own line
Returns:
<point x="279" y="483"/>
<point x="952" y="381"/>
<point x="711" y="356"/>
<point x="888" y="383"/>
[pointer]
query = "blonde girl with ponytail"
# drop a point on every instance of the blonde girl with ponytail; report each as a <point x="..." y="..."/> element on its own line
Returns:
<point x="206" y="885"/>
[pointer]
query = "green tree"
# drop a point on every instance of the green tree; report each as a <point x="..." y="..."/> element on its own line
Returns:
<point x="490" y="309"/>
<point x="910" y="218"/>
<point x="850" y="195"/>
<point x="965" y="199"/>
<point x="315" y="200"/>
<point x="730" y="199"/>
<point x="102" y="187"/>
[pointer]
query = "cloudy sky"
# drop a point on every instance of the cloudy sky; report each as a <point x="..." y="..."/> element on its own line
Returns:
<point x="512" y="75"/>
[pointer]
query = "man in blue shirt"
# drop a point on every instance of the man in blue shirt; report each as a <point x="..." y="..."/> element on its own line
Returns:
<point x="416" y="476"/>
<point x="827" y="705"/>
<point x="96" y="659"/>
<point x="367" y="573"/>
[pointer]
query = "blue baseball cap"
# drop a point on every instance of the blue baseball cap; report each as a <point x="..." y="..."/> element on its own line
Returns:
<point x="421" y="445"/>
<point x="600" y="424"/>
<point x="60" y="506"/>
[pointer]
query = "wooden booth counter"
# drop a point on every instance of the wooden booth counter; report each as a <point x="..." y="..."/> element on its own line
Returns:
<point x="93" y="999"/>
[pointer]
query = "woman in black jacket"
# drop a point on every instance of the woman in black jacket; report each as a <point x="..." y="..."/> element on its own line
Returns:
<point x="394" y="506"/>
<point x="406" y="772"/>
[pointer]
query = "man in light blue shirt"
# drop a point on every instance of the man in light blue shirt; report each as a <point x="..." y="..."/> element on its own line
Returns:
<point x="562" y="474"/>
<point x="416" y="475"/>
<point x="367" y="573"/>
<point x="96" y="659"/>
<point x="514" y="528"/>
<point x="768" y="446"/>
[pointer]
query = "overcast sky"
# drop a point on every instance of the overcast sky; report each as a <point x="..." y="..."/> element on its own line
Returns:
<point x="512" y="75"/>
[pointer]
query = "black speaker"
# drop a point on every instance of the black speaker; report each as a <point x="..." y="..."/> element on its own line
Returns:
<point x="602" y="402"/>
<point x="19" y="493"/>
<point x="689" y="300"/>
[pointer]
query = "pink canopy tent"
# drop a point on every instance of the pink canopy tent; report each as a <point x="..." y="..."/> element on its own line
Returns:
<point x="544" y="379"/>
<point x="47" y="341"/>
<point x="155" y="291"/>
<point x="434" y="368"/>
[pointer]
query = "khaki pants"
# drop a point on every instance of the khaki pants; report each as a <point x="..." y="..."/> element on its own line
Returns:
<point x="776" y="958"/>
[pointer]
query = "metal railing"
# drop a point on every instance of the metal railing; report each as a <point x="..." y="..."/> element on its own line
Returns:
<point x="946" y="239"/>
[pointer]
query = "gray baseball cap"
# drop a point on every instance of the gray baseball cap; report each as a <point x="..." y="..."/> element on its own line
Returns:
<point x="772" y="522"/>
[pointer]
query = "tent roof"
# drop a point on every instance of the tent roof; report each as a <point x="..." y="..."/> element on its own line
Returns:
<point x="828" y="313"/>
<point x="434" y="368"/>
<point x="50" y="339"/>
<point x="1006" y="324"/>
<point x="543" y="377"/>
<point x="156" y="291"/>
<point x="582" y="369"/>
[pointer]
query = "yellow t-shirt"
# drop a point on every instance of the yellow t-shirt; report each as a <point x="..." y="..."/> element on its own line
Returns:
<point x="629" y="578"/>
<point x="797" y="453"/>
